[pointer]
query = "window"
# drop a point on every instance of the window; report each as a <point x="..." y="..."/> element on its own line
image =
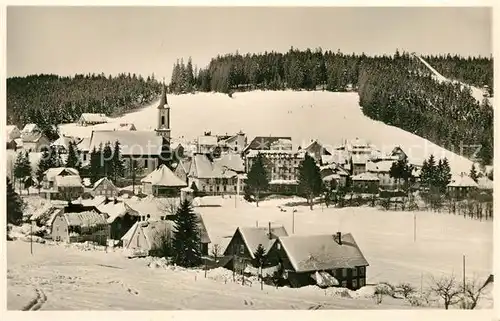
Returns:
<point x="355" y="272"/>
<point x="344" y="273"/>
<point x="344" y="284"/>
<point x="242" y="249"/>
<point x="362" y="270"/>
<point x="354" y="283"/>
<point x="278" y="246"/>
<point x="146" y="163"/>
<point x="361" y="282"/>
<point x="163" y="120"/>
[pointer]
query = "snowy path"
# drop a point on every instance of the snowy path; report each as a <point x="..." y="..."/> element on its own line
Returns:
<point x="69" y="279"/>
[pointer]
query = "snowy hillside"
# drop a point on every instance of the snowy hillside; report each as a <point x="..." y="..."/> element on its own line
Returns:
<point x="328" y="116"/>
<point x="477" y="93"/>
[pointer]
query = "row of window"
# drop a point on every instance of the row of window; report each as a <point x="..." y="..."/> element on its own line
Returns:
<point x="225" y="188"/>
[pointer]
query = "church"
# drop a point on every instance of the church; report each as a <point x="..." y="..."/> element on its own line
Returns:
<point x="143" y="151"/>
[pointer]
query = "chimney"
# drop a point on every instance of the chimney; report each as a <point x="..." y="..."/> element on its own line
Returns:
<point x="339" y="237"/>
<point x="270" y="235"/>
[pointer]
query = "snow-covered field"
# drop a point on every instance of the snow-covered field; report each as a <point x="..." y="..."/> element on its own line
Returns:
<point x="328" y="116"/>
<point x="69" y="278"/>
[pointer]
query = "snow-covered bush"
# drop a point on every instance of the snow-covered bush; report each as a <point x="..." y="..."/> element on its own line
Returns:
<point x="418" y="299"/>
<point x="405" y="289"/>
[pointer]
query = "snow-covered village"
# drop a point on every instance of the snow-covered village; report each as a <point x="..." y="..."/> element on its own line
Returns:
<point x="294" y="179"/>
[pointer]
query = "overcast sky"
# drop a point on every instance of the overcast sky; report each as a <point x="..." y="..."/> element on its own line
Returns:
<point x="143" y="40"/>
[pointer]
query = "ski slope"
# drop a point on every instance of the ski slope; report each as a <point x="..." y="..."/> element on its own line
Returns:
<point x="476" y="92"/>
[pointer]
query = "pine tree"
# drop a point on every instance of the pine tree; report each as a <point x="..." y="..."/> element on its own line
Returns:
<point x="428" y="174"/>
<point x="189" y="76"/>
<point x="107" y="160"/>
<point x="14" y="205"/>
<point x="473" y="173"/>
<point x="257" y="179"/>
<point x="73" y="161"/>
<point x="187" y="244"/>
<point x="117" y="162"/>
<point x="259" y="259"/>
<point x="43" y="165"/>
<point x="310" y="182"/>
<point x="95" y="165"/>
<point x="444" y="174"/>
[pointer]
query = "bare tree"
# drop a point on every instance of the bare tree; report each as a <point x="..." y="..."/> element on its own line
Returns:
<point x="447" y="289"/>
<point x="406" y="289"/>
<point x="216" y="251"/>
<point x="473" y="292"/>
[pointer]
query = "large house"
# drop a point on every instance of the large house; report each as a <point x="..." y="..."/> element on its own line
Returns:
<point x="34" y="142"/>
<point x="317" y="150"/>
<point x="245" y="241"/>
<point x="79" y="227"/>
<point x="381" y="169"/>
<point x="162" y="182"/>
<point x="61" y="183"/>
<point x="365" y="183"/>
<point x="268" y="142"/>
<point x="213" y="176"/>
<point x="461" y="186"/>
<point x="235" y="143"/>
<point x="207" y="144"/>
<point x="313" y="259"/>
<point x="104" y="187"/>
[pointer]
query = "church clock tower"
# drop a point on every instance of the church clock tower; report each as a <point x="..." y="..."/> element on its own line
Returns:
<point x="163" y="128"/>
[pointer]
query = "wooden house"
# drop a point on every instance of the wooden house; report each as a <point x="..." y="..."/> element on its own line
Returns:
<point x="162" y="182"/>
<point x="461" y="186"/>
<point x="87" y="119"/>
<point x="212" y="176"/>
<point x="104" y="187"/>
<point x="324" y="260"/>
<point x="80" y="227"/>
<point x="245" y="241"/>
<point x="365" y="183"/>
<point x="35" y="142"/>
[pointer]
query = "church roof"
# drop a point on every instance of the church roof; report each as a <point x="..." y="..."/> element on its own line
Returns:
<point x="131" y="142"/>
<point x="163" y="99"/>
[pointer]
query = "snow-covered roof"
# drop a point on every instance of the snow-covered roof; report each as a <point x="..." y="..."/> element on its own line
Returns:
<point x="68" y="181"/>
<point x="131" y="142"/>
<point x="102" y="180"/>
<point x="383" y="166"/>
<point x="85" y="219"/>
<point x="207" y="201"/>
<point x="276" y="153"/>
<point x="28" y="128"/>
<point x="185" y="165"/>
<point x="12" y="132"/>
<point x="253" y="236"/>
<point x="207" y="140"/>
<point x="331" y="177"/>
<point x="84" y="144"/>
<point x="63" y="141"/>
<point x="462" y="180"/>
<point x="264" y="142"/>
<point x="31" y="137"/>
<point x="360" y="158"/>
<point x="93" y="118"/>
<point x="231" y="161"/>
<point x="283" y="182"/>
<point x="115" y="210"/>
<point x="365" y="177"/>
<point x="322" y="252"/>
<point x="163" y="176"/>
<point x="154" y="206"/>
<point x="96" y="201"/>
<point x="485" y="183"/>
<point x="202" y="167"/>
<point x="153" y="231"/>
<point x="51" y="173"/>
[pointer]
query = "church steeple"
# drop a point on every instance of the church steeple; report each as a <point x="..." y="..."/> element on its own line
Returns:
<point x="163" y="128"/>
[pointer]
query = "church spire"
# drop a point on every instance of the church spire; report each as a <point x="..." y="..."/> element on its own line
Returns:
<point x="163" y="99"/>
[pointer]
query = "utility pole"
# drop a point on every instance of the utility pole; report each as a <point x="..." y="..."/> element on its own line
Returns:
<point x="414" y="227"/>
<point x="31" y="237"/>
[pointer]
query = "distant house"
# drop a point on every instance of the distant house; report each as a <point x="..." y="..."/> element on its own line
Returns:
<point x="334" y="173"/>
<point x="50" y="175"/>
<point x="399" y="153"/>
<point x="207" y="144"/>
<point x="235" y="143"/>
<point x="381" y="169"/>
<point x="211" y="177"/>
<point x="365" y="183"/>
<point x="316" y="150"/>
<point x="182" y="170"/>
<point x="84" y="147"/>
<point x="267" y="143"/>
<point x="484" y="183"/>
<point x="359" y="162"/>
<point x="325" y="260"/>
<point x="62" y="143"/>
<point x="34" y="142"/>
<point x="61" y="183"/>
<point x="245" y="241"/>
<point x="30" y="129"/>
<point x="162" y="182"/>
<point x="12" y="136"/>
<point x="461" y="186"/>
<point x="105" y="187"/>
<point x="87" y="119"/>
<point x="80" y="227"/>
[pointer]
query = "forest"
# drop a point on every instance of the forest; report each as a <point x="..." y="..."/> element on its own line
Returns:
<point x="396" y="89"/>
<point x="48" y="100"/>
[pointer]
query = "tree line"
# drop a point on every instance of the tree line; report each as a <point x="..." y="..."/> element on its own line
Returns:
<point x="48" y="100"/>
<point x="396" y="89"/>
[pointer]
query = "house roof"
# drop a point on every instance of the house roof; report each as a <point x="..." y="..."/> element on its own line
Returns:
<point x="231" y="161"/>
<point x="331" y="177"/>
<point x="208" y="140"/>
<point x="202" y="167"/>
<point x="185" y="165"/>
<point x="28" y="128"/>
<point x="9" y="129"/>
<point x="51" y="173"/>
<point x="315" y="147"/>
<point x="154" y="206"/>
<point x="114" y="211"/>
<point x="152" y="231"/>
<point x="30" y="137"/>
<point x="360" y="158"/>
<point x="63" y="141"/>
<point x="84" y="144"/>
<point x="85" y="219"/>
<point x="276" y="152"/>
<point x="131" y="142"/>
<point x="253" y="236"/>
<point x="163" y="176"/>
<point x="322" y="252"/>
<point x="263" y="142"/>
<point x="383" y="166"/>
<point x="336" y="156"/>
<point x="462" y="180"/>
<point x="102" y="180"/>
<point x="365" y="177"/>
<point x="68" y="181"/>
<point x="94" y="118"/>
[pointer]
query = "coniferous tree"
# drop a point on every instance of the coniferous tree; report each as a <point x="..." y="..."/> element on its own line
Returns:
<point x="14" y="205"/>
<point x="189" y="76"/>
<point x="473" y="173"/>
<point x="444" y="173"/>
<point x="117" y="162"/>
<point x="257" y="178"/>
<point x="95" y="165"/>
<point x="428" y="174"/>
<point x="107" y="160"/>
<point x="310" y="183"/>
<point x="73" y="160"/>
<point x="259" y="258"/>
<point x="20" y="168"/>
<point x="187" y="239"/>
